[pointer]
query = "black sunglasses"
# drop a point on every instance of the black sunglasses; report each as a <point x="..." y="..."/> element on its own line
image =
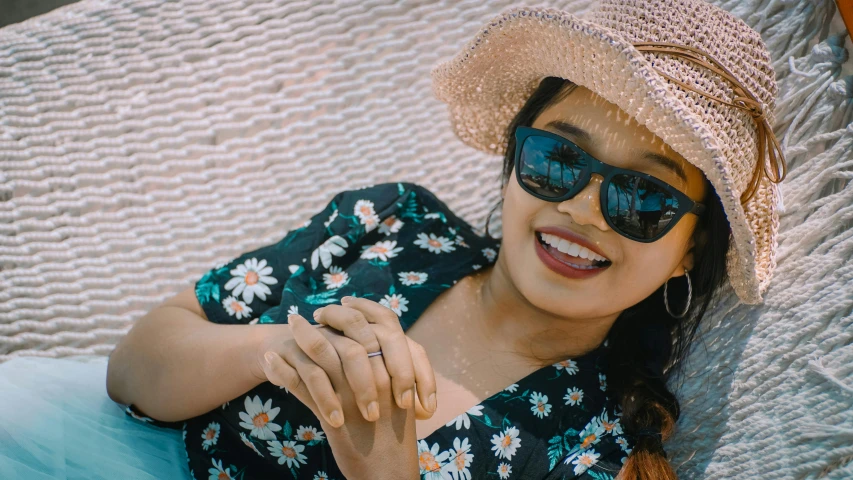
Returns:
<point x="636" y="205"/>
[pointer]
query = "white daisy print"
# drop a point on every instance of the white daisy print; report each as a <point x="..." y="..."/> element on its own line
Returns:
<point x="236" y="308"/>
<point x="210" y="435"/>
<point x="504" y="469"/>
<point x="591" y="433"/>
<point x="293" y="310"/>
<point x="336" y="278"/>
<point x="336" y="246"/>
<point x="287" y="452"/>
<point x="434" y="244"/>
<point x="459" y="240"/>
<point x="321" y="476"/>
<point x="249" y="444"/>
<point x="613" y="428"/>
<point x="464" y="419"/>
<point x="331" y="219"/>
<point x="460" y="460"/>
<point x="476" y="267"/>
<point x="306" y="434"/>
<point x="584" y="461"/>
<point x="382" y="250"/>
<point x="541" y="408"/>
<point x="430" y="461"/>
<point x="624" y="445"/>
<point x="138" y="417"/>
<point x="364" y="208"/>
<point x="258" y="418"/>
<point x="602" y="379"/>
<point x="506" y="443"/>
<point x="490" y="254"/>
<point x="250" y="279"/>
<point x="391" y="225"/>
<point x="370" y="223"/>
<point x="512" y="388"/>
<point x="432" y="215"/>
<point x="412" y="278"/>
<point x="219" y="473"/>
<point x="570" y="366"/>
<point x="573" y="396"/>
<point x="395" y="302"/>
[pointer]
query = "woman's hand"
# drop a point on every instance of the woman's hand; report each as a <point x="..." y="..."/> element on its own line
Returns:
<point x="374" y="326"/>
<point x="362" y="448"/>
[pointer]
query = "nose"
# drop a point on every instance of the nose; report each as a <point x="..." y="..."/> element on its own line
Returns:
<point x="585" y="207"/>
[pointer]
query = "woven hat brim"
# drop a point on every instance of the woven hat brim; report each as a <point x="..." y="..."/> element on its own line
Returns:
<point x="487" y="83"/>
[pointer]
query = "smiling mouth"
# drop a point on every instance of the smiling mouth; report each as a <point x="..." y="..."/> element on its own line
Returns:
<point x="571" y="260"/>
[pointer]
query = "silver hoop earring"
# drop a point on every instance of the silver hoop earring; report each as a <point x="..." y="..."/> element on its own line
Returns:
<point x="689" y="293"/>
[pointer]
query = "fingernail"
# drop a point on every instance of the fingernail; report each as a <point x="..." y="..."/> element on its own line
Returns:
<point x="346" y="300"/>
<point x="269" y="357"/>
<point x="431" y="402"/>
<point x="336" y="418"/>
<point x="373" y="411"/>
<point x="408" y="399"/>
<point x="317" y="313"/>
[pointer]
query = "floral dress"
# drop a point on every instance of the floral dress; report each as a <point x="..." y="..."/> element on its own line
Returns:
<point x="399" y="245"/>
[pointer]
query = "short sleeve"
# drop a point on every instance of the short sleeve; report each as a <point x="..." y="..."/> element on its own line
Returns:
<point x="242" y="290"/>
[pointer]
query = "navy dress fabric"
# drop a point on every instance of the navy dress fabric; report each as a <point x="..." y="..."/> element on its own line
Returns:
<point x="399" y="245"/>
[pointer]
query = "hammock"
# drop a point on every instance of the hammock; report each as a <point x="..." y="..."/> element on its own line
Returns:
<point x="143" y="142"/>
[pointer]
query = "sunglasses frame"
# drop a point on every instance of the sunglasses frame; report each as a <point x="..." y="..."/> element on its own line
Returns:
<point x="685" y="204"/>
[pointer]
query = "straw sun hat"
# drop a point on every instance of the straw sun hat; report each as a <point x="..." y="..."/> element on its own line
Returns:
<point x="651" y="58"/>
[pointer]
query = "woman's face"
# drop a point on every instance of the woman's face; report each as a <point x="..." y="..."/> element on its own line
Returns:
<point x="637" y="269"/>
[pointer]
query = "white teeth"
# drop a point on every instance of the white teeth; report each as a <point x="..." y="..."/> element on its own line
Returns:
<point x="571" y="248"/>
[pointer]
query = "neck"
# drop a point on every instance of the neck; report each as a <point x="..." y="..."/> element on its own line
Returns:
<point x="508" y="321"/>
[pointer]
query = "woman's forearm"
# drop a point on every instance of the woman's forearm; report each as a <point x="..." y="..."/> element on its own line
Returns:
<point x="174" y="364"/>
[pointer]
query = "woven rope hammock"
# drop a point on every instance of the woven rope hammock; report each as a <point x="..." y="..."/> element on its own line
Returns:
<point x="142" y="142"/>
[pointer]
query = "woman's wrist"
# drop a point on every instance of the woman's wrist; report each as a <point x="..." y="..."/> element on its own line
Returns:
<point x="257" y="335"/>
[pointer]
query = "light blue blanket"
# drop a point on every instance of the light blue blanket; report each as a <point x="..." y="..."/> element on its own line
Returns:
<point x="56" y="421"/>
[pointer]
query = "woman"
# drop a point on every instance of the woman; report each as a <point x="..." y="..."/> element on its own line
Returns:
<point x="548" y="351"/>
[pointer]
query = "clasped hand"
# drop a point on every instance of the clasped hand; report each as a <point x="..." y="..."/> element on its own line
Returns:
<point x="367" y="406"/>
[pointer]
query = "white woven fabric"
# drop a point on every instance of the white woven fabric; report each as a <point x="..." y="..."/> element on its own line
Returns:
<point x="142" y="142"/>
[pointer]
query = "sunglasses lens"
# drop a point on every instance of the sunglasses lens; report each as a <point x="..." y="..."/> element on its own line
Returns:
<point x="548" y="167"/>
<point x="638" y="207"/>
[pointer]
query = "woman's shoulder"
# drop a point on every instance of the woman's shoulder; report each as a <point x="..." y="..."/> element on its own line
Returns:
<point x="399" y="200"/>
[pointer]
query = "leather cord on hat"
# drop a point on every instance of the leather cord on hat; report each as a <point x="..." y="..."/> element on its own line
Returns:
<point x="743" y="99"/>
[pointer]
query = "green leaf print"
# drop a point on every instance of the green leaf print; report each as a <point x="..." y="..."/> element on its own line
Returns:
<point x="555" y="450"/>
<point x="207" y="288"/>
<point x="400" y="189"/>
<point x="409" y="208"/>
<point x="599" y="475"/>
<point x="322" y="298"/>
<point x="287" y="430"/>
<point x="378" y="263"/>
<point x="293" y="472"/>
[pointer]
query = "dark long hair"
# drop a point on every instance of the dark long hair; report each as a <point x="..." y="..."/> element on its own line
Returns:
<point x="647" y="345"/>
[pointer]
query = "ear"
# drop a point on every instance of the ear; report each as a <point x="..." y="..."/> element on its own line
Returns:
<point x="686" y="262"/>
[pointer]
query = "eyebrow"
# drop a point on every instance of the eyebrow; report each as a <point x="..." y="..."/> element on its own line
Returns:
<point x="567" y="128"/>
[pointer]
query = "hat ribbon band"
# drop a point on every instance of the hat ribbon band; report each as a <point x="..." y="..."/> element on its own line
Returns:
<point x="743" y="99"/>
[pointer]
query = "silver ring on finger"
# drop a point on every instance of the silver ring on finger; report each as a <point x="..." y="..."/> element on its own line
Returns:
<point x="374" y="354"/>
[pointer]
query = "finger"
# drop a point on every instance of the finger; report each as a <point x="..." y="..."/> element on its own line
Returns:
<point x="393" y="344"/>
<point x="359" y="373"/>
<point x="424" y="377"/>
<point x="394" y="347"/>
<point x="317" y="363"/>
<point x="351" y="322"/>
<point x="280" y="373"/>
<point x="373" y="312"/>
<point x="399" y="363"/>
